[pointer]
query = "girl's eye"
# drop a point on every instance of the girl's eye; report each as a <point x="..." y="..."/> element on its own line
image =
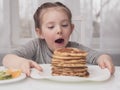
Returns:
<point x="51" y="27"/>
<point x="64" y="25"/>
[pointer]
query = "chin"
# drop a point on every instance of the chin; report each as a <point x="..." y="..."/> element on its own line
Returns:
<point x="59" y="47"/>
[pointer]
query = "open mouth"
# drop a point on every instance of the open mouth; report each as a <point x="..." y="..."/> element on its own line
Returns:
<point x="59" y="40"/>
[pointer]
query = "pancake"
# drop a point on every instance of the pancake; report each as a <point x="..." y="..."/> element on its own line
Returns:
<point x="69" y="62"/>
<point x="74" y="52"/>
<point x="82" y="74"/>
<point x="69" y="65"/>
<point x="67" y="57"/>
<point x="68" y="69"/>
<point x="73" y="61"/>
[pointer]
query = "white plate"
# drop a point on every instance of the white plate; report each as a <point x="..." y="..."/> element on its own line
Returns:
<point x="21" y="77"/>
<point x="96" y="74"/>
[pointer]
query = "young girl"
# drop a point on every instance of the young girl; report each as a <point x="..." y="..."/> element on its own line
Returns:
<point x="53" y="26"/>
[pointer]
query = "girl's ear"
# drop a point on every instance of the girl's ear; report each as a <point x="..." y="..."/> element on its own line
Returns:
<point x="72" y="27"/>
<point x="39" y="33"/>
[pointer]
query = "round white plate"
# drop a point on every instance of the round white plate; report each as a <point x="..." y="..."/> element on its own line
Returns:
<point x="21" y="77"/>
<point x="96" y="74"/>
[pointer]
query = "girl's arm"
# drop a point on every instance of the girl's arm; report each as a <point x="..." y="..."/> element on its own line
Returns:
<point x="14" y="61"/>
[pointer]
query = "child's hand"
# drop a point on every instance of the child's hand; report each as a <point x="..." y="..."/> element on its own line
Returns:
<point x="27" y="64"/>
<point x="105" y="61"/>
<point x="14" y="61"/>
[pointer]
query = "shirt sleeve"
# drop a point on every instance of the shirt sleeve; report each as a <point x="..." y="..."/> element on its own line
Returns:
<point x="92" y="55"/>
<point x="26" y="51"/>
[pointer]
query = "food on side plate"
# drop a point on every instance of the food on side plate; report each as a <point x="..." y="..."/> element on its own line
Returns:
<point x="69" y="62"/>
<point x="9" y="74"/>
<point x="4" y="75"/>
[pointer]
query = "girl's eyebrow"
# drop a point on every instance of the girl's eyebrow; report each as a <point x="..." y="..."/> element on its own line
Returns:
<point x="65" y="20"/>
<point x="50" y="23"/>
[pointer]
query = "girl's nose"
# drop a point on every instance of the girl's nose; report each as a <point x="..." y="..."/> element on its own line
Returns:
<point x="59" y="31"/>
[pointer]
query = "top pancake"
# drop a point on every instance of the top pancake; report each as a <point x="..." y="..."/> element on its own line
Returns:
<point x="74" y="52"/>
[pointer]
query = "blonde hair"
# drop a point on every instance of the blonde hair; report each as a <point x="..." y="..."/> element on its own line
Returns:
<point x="47" y="5"/>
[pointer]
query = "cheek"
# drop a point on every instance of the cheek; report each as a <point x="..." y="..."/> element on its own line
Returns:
<point x="67" y="33"/>
<point x="48" y="36"/>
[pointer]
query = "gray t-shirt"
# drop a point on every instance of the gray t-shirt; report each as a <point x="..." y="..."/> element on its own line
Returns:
<point x="38" y="51"/>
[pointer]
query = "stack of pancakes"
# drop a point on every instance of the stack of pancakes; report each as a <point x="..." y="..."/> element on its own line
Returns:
<point x="69" y="62"/>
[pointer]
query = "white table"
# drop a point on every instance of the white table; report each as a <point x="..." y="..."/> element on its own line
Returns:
<point x="33" y="84"/>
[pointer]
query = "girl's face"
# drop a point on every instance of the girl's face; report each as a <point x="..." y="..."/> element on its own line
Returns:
<point x="56" y="28"/>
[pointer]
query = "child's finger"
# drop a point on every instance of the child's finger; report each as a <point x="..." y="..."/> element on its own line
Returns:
<point x="35" y="65"/>
<point x="110" y="68"/>
<point x="26" y="69"/>
<point x="38" y="68"/>
<point x="102" y="65"/>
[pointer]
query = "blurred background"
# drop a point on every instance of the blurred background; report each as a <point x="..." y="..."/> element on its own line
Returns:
<point x="97" y="24"/>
